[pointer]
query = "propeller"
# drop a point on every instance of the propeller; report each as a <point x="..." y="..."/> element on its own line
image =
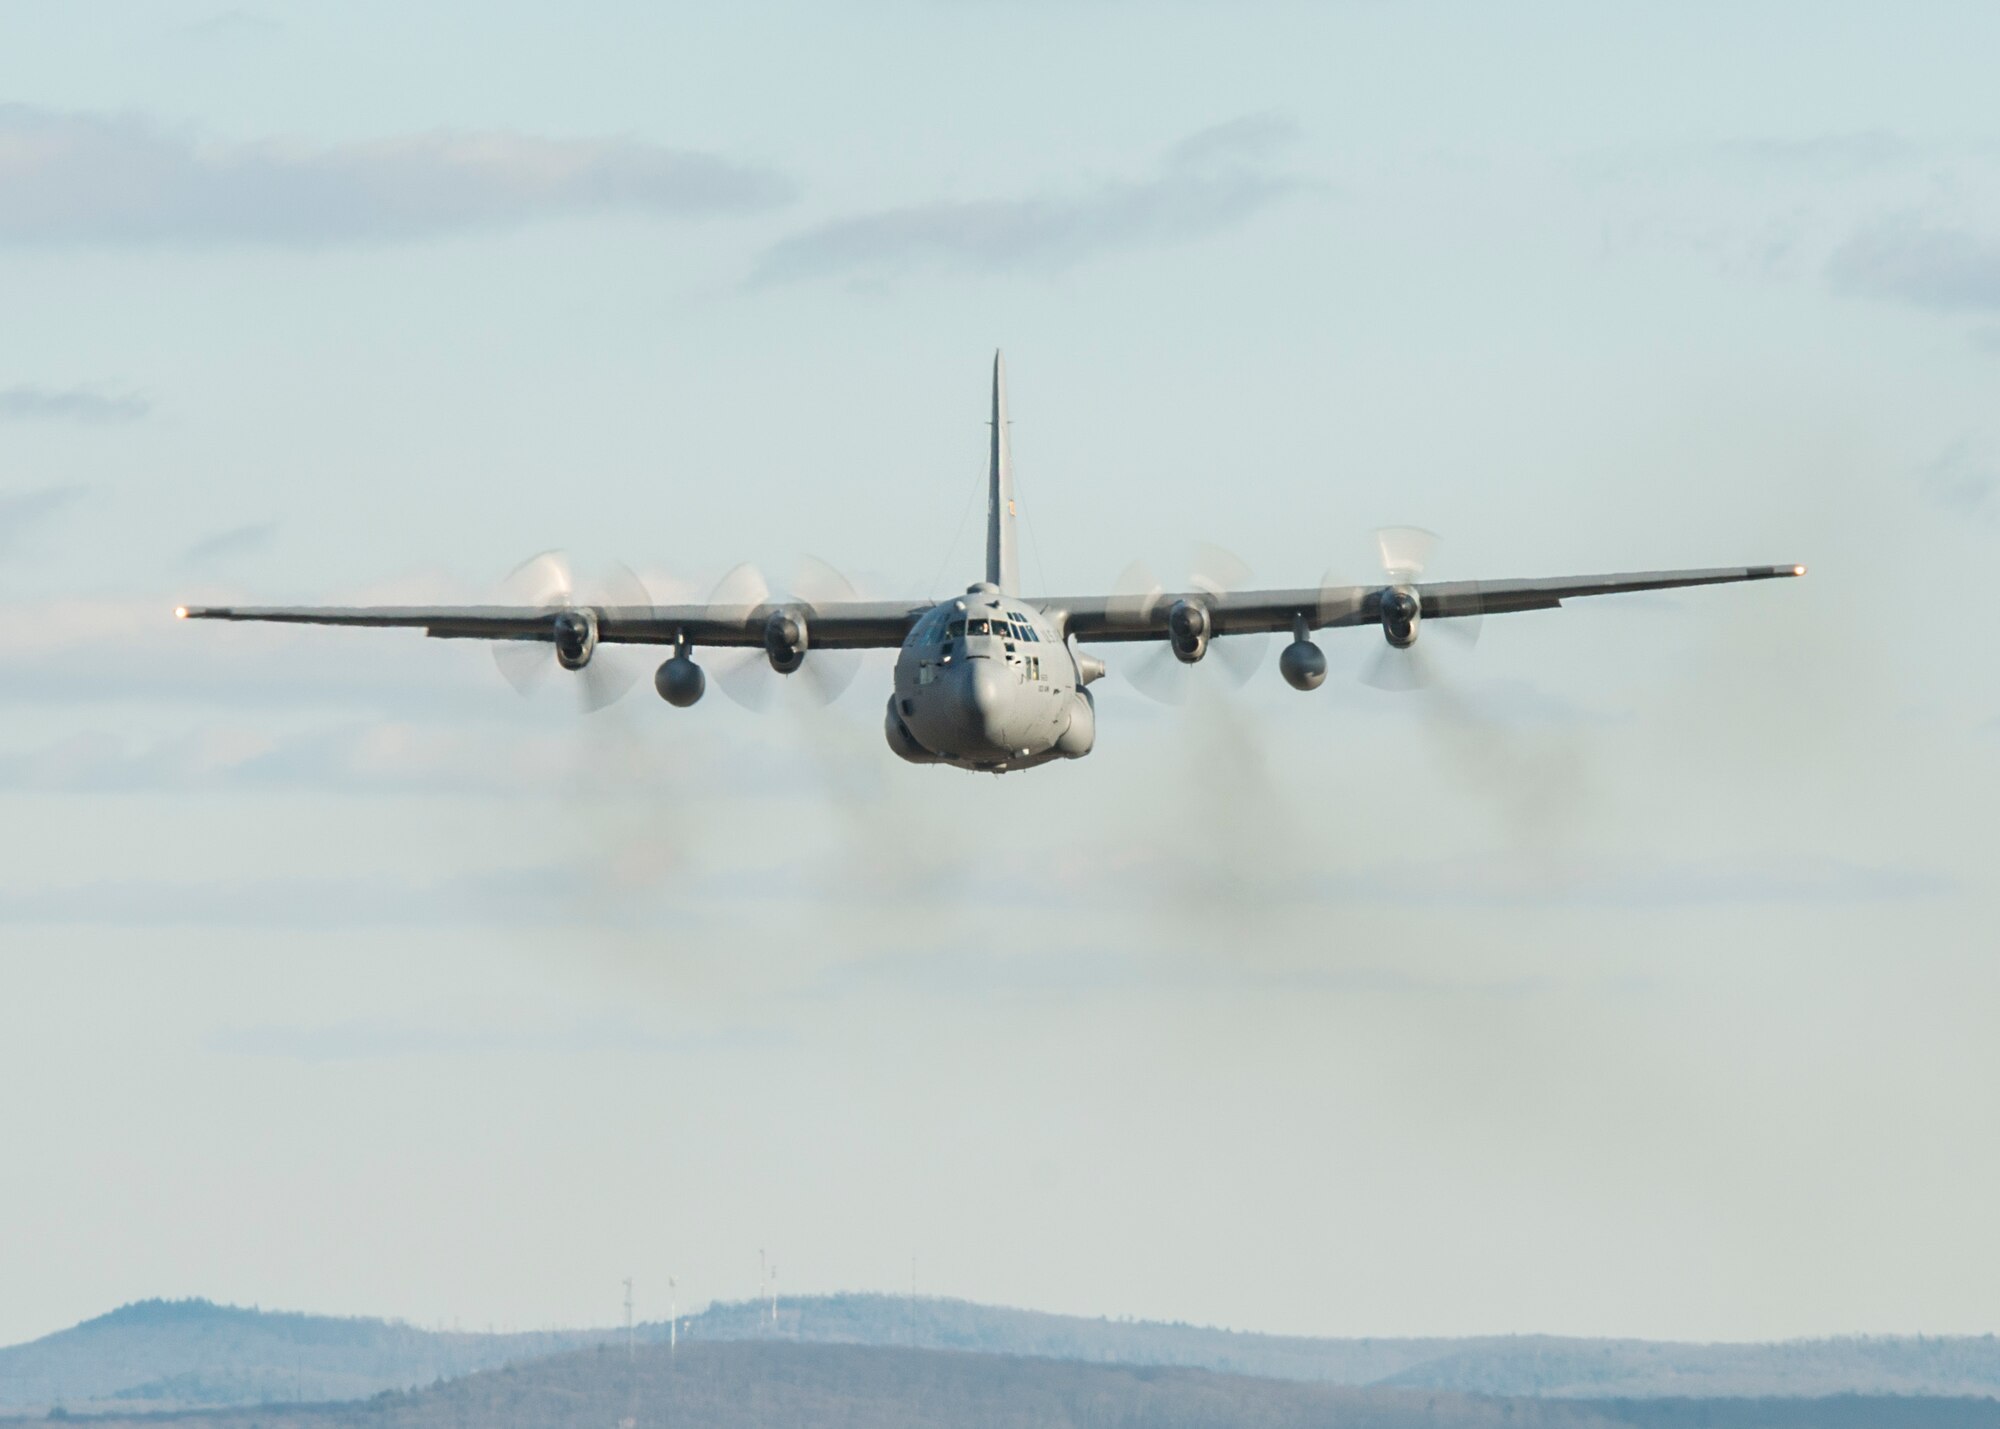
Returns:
<point x="745" y="673"/>
<point x="1404" y="551"/>
<point x="546" y="582"/>
<point x="1159" y="673"/>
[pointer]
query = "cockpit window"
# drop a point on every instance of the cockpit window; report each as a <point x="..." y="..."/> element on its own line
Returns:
<point x="977" y="627"/>
<point x="954" y="630"/>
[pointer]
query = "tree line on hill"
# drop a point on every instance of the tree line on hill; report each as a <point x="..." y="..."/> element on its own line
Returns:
<point x="184" y="1354"/>
<point x="749" y="1384"/>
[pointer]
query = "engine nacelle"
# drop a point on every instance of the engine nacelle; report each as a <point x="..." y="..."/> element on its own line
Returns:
<point x="575" y="638"/>
<point x="785" y="640"/>
<point x="1303" y="665"/>
<point x="902" y="741"/>
<point x="1081" y="732"/>
<point x="1401" y="610"/>
<point x="1188" y="629"/>
<point x="680" y="682"/>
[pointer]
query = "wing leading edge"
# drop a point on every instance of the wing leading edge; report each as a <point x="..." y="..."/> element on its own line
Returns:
<point x="853" y="625"/>
<point x="1323" y="607"/>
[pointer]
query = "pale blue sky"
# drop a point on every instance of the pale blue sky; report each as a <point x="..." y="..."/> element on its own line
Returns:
<point x="1634" y="984"/>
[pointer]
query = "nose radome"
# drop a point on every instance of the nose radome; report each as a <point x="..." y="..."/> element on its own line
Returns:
<point x="985" y="697"/>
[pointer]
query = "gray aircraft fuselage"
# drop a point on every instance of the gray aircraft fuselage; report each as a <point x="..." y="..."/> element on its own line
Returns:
<point x="986" y="682"/>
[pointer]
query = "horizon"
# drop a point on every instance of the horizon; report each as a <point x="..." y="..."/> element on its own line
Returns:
<point x="457" y="1325"/>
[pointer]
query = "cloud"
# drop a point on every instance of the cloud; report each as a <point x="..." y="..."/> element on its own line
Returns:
<point x="1906" y="261"/>
<point x="1691" y="884"/>
<point x="376" y="756"/>
<point x="1759" y="158"/>
<point x="372" y="1041"/>
<point x="22" y="512"/>
<point x="236" y="541"/>
<point x="1872" y="214"/>
<point x="68" y="404"/>
<point x="1960" y="482"/>
<point x="230" y="25"/>
<point x="1209" y="182"/>
<point x="1859" y="151"/>
<point x="97" y="178"/>
<point x="516" y="898"/>
<point x="1515" y="881"/>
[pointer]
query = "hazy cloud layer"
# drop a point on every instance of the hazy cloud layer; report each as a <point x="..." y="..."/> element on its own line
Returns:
<point x="371" y="1040"/>
<point x="230" y="25"/>
<point x="688" y="899"/>
<point x="1873" y="214"/>
<point x="1499" y="882"/>
<point x="22" y="513"/>
<point x="1210" y="181"/>
<point x="1907" y="261"/>
<point x="236" y="541"/>
<point x="98" y="178"/>
<point x="515" y="898"/>
<point x="1861" y="151"/>
<point x="387" y="756"/>
<point x="66" y="404"/>
<point x="1961" y="482"/>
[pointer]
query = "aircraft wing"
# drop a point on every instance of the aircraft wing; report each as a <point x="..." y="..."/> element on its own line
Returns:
<point x="847" y="625"/>
<point x="1114" y="618"/>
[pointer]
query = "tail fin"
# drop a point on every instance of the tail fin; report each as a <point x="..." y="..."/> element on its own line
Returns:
<point x="1003" y="567"/>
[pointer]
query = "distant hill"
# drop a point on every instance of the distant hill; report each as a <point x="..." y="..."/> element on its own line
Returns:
<point x="1641" y="1368"/>
<point x="753" y="1385"/>
<point x="174" y="1353"/>
<point x="992" y="1329"/>
<point x="1536" y="1365"/>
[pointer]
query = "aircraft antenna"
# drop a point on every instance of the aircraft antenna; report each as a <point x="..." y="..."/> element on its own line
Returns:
<point x="1003" y="568"/>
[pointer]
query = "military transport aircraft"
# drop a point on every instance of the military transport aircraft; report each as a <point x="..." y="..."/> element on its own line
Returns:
<point x="991" y="680"/>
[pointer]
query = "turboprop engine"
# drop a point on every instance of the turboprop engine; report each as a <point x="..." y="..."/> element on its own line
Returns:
<point x="1401" y="610"/>
<point x="575" y="638"/>
<point x="785" y="640"/>
<point x="1188" y="630"/>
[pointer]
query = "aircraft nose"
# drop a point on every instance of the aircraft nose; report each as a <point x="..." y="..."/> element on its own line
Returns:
<point x="983" y="698"/>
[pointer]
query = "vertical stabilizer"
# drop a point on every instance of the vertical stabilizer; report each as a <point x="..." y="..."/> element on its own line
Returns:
<point x="1003" y="567"/>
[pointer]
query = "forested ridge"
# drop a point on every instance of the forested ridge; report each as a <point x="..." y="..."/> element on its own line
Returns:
<point x="756" y="1384"/>
<point x="186" y="1354"/>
